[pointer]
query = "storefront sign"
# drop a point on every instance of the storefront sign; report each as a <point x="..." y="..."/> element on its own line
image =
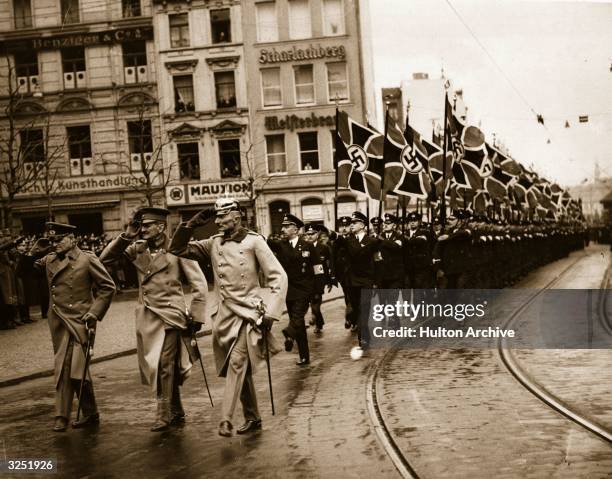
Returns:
<point x="88" y="39"/>
<point x="294" y="122"/>
<point x="100" y="184"/>
<point x="346" y="208"/>
<point x="175" y="195"/>
<point x="312" y="213"/>
<point x="210" y="192"/>
<point x="297" y="54"/>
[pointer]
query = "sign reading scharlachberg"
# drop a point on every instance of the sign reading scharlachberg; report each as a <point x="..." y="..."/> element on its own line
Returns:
<point x="297" y="54"/>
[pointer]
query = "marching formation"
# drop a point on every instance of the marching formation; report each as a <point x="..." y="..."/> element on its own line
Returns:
<point x="254" y="280"/>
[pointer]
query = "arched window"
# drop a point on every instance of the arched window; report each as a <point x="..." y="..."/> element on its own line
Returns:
<point x="278" y="209"/>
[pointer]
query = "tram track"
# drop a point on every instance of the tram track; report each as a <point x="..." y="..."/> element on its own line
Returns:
<point x="384" y="433"/>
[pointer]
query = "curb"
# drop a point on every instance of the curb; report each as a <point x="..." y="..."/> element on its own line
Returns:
<point x="128" y="352"/>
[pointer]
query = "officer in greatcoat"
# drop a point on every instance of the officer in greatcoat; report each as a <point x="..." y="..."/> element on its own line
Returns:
<point x="240" y="307"/>
<point x="164" y="322"/>
<point x="80" y="291"/>
<point x="299" y="260"/>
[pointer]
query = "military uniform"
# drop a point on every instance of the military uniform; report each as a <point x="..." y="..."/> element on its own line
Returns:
<point x="418" y="246"/>
<point x="389" y="260"/>
<point x="238" y="261"/>
<point x="162" y="316"/>
<point x="322" y="275"/>
<point x="340" y="264"/>
<point x="300" y="261"/>
<point x="78" y="284"/>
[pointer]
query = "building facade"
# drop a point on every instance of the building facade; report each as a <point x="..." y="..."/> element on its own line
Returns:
<point x="305" y="57"/>
<point x="80" y="77"/>
<point x="178" y="103"/>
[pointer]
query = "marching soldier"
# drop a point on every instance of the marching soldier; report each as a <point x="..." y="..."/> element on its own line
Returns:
<point x="455" y="251"/>
<point x="361" y="251"/>
<point x="163" y="321"/>
<point x="340" y="262"/>
<point x="300" y="261"/>
<point x="391" y="275"/>
<point x="81" y="291"/>
<point x="418" y="245"/>
<point x="238" y="257"/>
<point x="322" y="275"/>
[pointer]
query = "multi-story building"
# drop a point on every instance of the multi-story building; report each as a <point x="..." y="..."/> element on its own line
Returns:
<point x="203" y="102"/>
<point x="81" y="77"/>
<point x="305" y="56"/>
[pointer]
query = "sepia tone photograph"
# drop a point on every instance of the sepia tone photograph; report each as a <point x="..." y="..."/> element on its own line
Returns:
<point x="306" y="239"/>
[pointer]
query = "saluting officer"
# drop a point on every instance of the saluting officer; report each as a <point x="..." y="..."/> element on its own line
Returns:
<point x="299" y="260"/>
<point x="81" y="291"/>
<point x="322" y="276"/>
<point x="240" y="258"/>
<point x="162" y="316"/>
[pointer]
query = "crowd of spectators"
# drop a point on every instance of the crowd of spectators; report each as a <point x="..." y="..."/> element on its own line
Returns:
<point x="23" y="287"/>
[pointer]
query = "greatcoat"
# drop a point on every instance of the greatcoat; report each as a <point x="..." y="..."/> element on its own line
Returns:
<point x="78" y="284"/>
<point x="237" y="264"/>
<point x="161" y="301"/>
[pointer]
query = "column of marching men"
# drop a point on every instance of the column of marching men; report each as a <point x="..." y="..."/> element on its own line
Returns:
<point x="254" y="281"/>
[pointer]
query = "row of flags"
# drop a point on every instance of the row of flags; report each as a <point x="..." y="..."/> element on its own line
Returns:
<point x="403" y="163"/>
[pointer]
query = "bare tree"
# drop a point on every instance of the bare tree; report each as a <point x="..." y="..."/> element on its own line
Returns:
<point x="21" y="151"/>
<point x="146" y="163"/>
<point x="256" y="179"/>
<point x="49" y="169"/>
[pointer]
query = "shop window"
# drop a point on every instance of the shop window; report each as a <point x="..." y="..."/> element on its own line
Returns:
<point x="130" y="8"/>
<point x="229" y="157"/>
<point x="26" y="71"/>
<point x="225" y="89"/>
<point x="70" y="11"/>
<point x="32" y="147"/>
<point x="304" y="84"/>
<point x="34" y="225"/>
<point x="189" y="160"/>
<point x="179" y="30"/>
<point x="275" y="154"/>
<point x="271" y="87"/>
<point x="337" y="82"/>
<point x="220" y="26"/>
<point x="88" y="223"/>
<point x="79" y="148"/>
<point x="333" y="17"/>
<point x="278" y="209"/>
<point x="299" y="19"/>
<point x="183" y="93"/>
<point x="73" y="63"/>
<point x="135" y="62"/>
<point x="267" y="24"/>
<point x="22" y="10"/>
<point x="309" y="151"/>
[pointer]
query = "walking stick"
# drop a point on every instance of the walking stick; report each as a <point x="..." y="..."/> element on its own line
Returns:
<point x="261" y="310"/>
<point x="196" y="350"/>
<point x="91" y="334"/>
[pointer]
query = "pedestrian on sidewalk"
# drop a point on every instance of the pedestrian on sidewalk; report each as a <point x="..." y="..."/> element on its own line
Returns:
<point x="164" y="323"/>
<point x="81" y="291"/>
<point x="239" y="259"/>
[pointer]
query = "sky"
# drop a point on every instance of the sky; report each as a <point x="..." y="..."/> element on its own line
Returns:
<point x="553" y="58"/>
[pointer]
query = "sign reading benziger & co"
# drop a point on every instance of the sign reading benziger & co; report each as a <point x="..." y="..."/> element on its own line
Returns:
<point x="86" y="39"/>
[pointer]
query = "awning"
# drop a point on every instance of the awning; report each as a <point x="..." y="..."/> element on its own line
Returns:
<point x="90" y="205"/>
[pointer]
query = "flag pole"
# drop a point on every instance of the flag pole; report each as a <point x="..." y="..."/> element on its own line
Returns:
<point x="445" y="146"/>
<point x="382" y="179"/>
<point x="336" y="136"/>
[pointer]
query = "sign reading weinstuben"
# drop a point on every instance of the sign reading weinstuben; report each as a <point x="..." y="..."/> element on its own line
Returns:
<point x="296" y="54"/>
<point x="210" y="192"/>
<point x="99" y="184"/>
